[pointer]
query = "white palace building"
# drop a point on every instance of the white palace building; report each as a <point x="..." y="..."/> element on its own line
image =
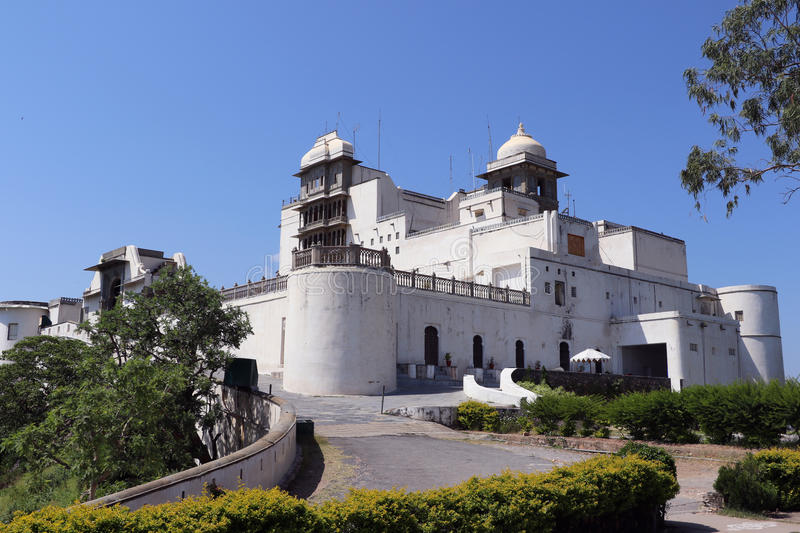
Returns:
<point x="375" y="281"/>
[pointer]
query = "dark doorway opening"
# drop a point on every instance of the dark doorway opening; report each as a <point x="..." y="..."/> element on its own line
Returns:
<point x="477" y="351"/>
<point x="520" y="353"/>
<point x="431" y="346"/>
<point x="645" y="360"/>
<point x="563" y="355"/>
<point x="114" y="292"/>
<point x="559" y="293"/>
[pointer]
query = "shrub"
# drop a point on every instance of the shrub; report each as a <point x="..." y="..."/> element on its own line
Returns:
<point x="545" y="413"/>
<point x="723" y="411"/>
<point x="651" y="453"/>
<point x="477" y="416"/>
<point x="741" y="487"/>
<point x="602" y="494"/>
<point x="781" y="468"/>
<point x="541" y="388"/>
<point x="791" y="404"/>
<point x="508" y="423"/>
<point x="763" y="481"/>
<point x="565" y="409"/>
<point x="657" y="415"/>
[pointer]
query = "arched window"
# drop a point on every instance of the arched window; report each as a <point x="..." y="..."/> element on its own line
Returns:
<point x="477" y="351"/>
<point x="114" y="291"/>
<point x="431" y="346"/>
<point x="563" y="355"/>
<point x="520" y="353"/>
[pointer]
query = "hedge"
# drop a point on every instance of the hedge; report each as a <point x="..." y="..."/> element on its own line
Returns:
<point x="607" y="493"/>
<point x="560" y="412"/>
<point x="723" y="413"/>
<point x="764" y="481"/>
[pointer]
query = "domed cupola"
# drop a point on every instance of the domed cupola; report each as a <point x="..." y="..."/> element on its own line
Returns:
<point x="327" y="147"/>
<point x="521" y="142"/>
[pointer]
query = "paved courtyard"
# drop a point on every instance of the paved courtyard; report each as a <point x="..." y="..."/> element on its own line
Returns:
<point x="357" y="446"/>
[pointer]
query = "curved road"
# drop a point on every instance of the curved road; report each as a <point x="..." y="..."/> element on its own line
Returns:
<point x="358" y="447"/>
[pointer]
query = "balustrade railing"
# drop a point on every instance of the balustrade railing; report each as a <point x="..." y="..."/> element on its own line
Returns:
<point x="469" y="289"/>
<point x="254" y="288"/>
<point x="356" y="255"/>
<point x="340" y="255"/>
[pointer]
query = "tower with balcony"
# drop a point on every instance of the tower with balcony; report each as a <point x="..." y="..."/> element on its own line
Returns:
<point x="523" y="170"/>
<point x="325" y="178"/>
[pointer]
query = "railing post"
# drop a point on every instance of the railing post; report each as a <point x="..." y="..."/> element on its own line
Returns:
<point x="433" y="281"/>
<point x="472" y="289"/>
<point x="453" y="285"/>
<point x="316" y="254"/>
<point x="413" y="277"/>
<point x="506" y="293"/>
<point x="355" y="252"/>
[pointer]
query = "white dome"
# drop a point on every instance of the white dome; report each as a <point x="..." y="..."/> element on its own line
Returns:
<point x="329" y="146"/>
<point x="521" y="142"/>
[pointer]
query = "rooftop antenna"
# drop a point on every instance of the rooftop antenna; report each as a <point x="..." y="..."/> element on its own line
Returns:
<point x="451" y="171"/>
<point x="573" y="207"/>
<point x="568" y="195"/>
<point x="379" y="139"/>
<point x="338" y="118"/>
<point x="472" y="164"/>
<point x="489" y="127"/>
<point x="355" y="129"/>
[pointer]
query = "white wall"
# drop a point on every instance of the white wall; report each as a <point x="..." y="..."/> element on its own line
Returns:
<point x="340" y="331"/>
<point x="760" y="328"/>
<point x="27" y="316"/>
<point x="266" y="314"/>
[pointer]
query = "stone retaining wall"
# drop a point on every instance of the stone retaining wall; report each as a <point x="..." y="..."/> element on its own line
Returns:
<point x="587" y="383"/>
<point x="260" y="441"/>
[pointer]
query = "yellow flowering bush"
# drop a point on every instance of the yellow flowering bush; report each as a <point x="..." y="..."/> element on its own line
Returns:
<point x="604" y="493"/>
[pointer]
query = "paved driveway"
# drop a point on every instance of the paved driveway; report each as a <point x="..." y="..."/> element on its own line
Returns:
<point x="359" y="447"/>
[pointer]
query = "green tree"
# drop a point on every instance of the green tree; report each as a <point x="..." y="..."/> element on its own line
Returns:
<point x="751" y="88"/>
<point x="41" y="365"/>
<point x="178" y="323"/>
<point x="127" y="407"/>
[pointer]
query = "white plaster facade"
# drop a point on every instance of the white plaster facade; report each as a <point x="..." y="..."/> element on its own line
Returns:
<point x="20" y="319"/>
<point x="374" y="278"/>
<point x="128" y="268"/>
<point x="621" y="289"/>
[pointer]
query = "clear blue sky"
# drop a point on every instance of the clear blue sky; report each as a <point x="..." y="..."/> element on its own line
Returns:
<point x="178" y="125"/>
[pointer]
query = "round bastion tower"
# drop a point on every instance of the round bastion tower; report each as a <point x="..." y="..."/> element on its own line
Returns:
<point x="340" y="330"/>
<point x="756" y="309"/>
<point x="340" y="323"/>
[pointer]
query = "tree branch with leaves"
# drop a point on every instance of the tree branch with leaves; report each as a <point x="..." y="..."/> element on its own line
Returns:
<point x="751" y="88"/>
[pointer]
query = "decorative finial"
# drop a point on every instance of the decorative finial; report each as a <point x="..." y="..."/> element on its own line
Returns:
<point x="521" y="129"/>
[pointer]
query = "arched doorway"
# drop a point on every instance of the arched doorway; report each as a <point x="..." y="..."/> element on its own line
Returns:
<point x="431" y="346"/>
<point x="477" y="351"/>
<point x="520" y="352"/>
<point x="563" y="355"/>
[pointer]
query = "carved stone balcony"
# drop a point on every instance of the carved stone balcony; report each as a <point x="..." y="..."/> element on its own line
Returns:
<point x="353" y="255"/>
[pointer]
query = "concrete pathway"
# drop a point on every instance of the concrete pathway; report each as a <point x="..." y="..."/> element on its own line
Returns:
<point x="362" y="448"/>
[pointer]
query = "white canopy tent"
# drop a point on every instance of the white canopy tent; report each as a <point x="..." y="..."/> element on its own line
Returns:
<point x="589" y="356"/>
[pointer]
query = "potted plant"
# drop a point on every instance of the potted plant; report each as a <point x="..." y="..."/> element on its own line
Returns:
<point x="447" y="359"/>
<point x="491" y="363"/>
